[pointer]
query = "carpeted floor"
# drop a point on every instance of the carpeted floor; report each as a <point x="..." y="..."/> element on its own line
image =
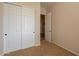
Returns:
<point x="46" y="49"/>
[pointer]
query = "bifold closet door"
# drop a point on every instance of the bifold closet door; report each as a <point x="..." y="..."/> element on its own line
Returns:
<point x="28" y="33"/>
<point x="1" y="29"/>
<point x="12" y="27"/>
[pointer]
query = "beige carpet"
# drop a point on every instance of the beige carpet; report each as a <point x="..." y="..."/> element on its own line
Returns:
<point x="46" y="49"/>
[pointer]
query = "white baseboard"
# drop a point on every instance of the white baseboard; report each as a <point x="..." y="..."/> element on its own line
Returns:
<point x="18" y="49"/>
<point x="66" y="49"/>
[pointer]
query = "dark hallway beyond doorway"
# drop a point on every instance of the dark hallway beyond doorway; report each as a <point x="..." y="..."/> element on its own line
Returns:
<point x="42" y="26"/>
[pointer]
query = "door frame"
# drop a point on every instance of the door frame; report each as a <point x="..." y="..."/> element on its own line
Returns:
<point x="45" y="25"/>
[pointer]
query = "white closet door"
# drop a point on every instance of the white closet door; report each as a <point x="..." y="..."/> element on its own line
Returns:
<point x="12" y="27"/>
<point x="1" y="29"/>
<point x="48" y="27"/>
<point x="28" y="19"/>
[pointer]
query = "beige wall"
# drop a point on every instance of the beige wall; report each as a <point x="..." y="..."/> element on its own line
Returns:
<point x="65" y="25"/>
<point x="36" y="6"/>
<point x="43" y="11"/>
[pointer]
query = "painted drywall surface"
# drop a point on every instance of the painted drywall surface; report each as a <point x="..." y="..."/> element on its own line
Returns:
<point x="43" y="11"/>
<point x="1" y="37"/>
<point x="65" y="25"/>
<point x="36" y="6"/>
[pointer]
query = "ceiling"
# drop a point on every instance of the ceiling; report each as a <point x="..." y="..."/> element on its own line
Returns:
<point x="47" y="4"/>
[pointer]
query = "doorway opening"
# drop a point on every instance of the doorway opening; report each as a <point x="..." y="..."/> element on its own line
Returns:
<point x="42" y="27"/>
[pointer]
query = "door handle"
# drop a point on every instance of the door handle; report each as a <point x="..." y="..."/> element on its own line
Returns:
<point x="5" y="34"/>
<point x="33" y="32"/>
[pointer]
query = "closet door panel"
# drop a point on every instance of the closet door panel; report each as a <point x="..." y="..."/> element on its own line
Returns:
<point x="12" y="27"/>
<point x="28" y="18"/>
